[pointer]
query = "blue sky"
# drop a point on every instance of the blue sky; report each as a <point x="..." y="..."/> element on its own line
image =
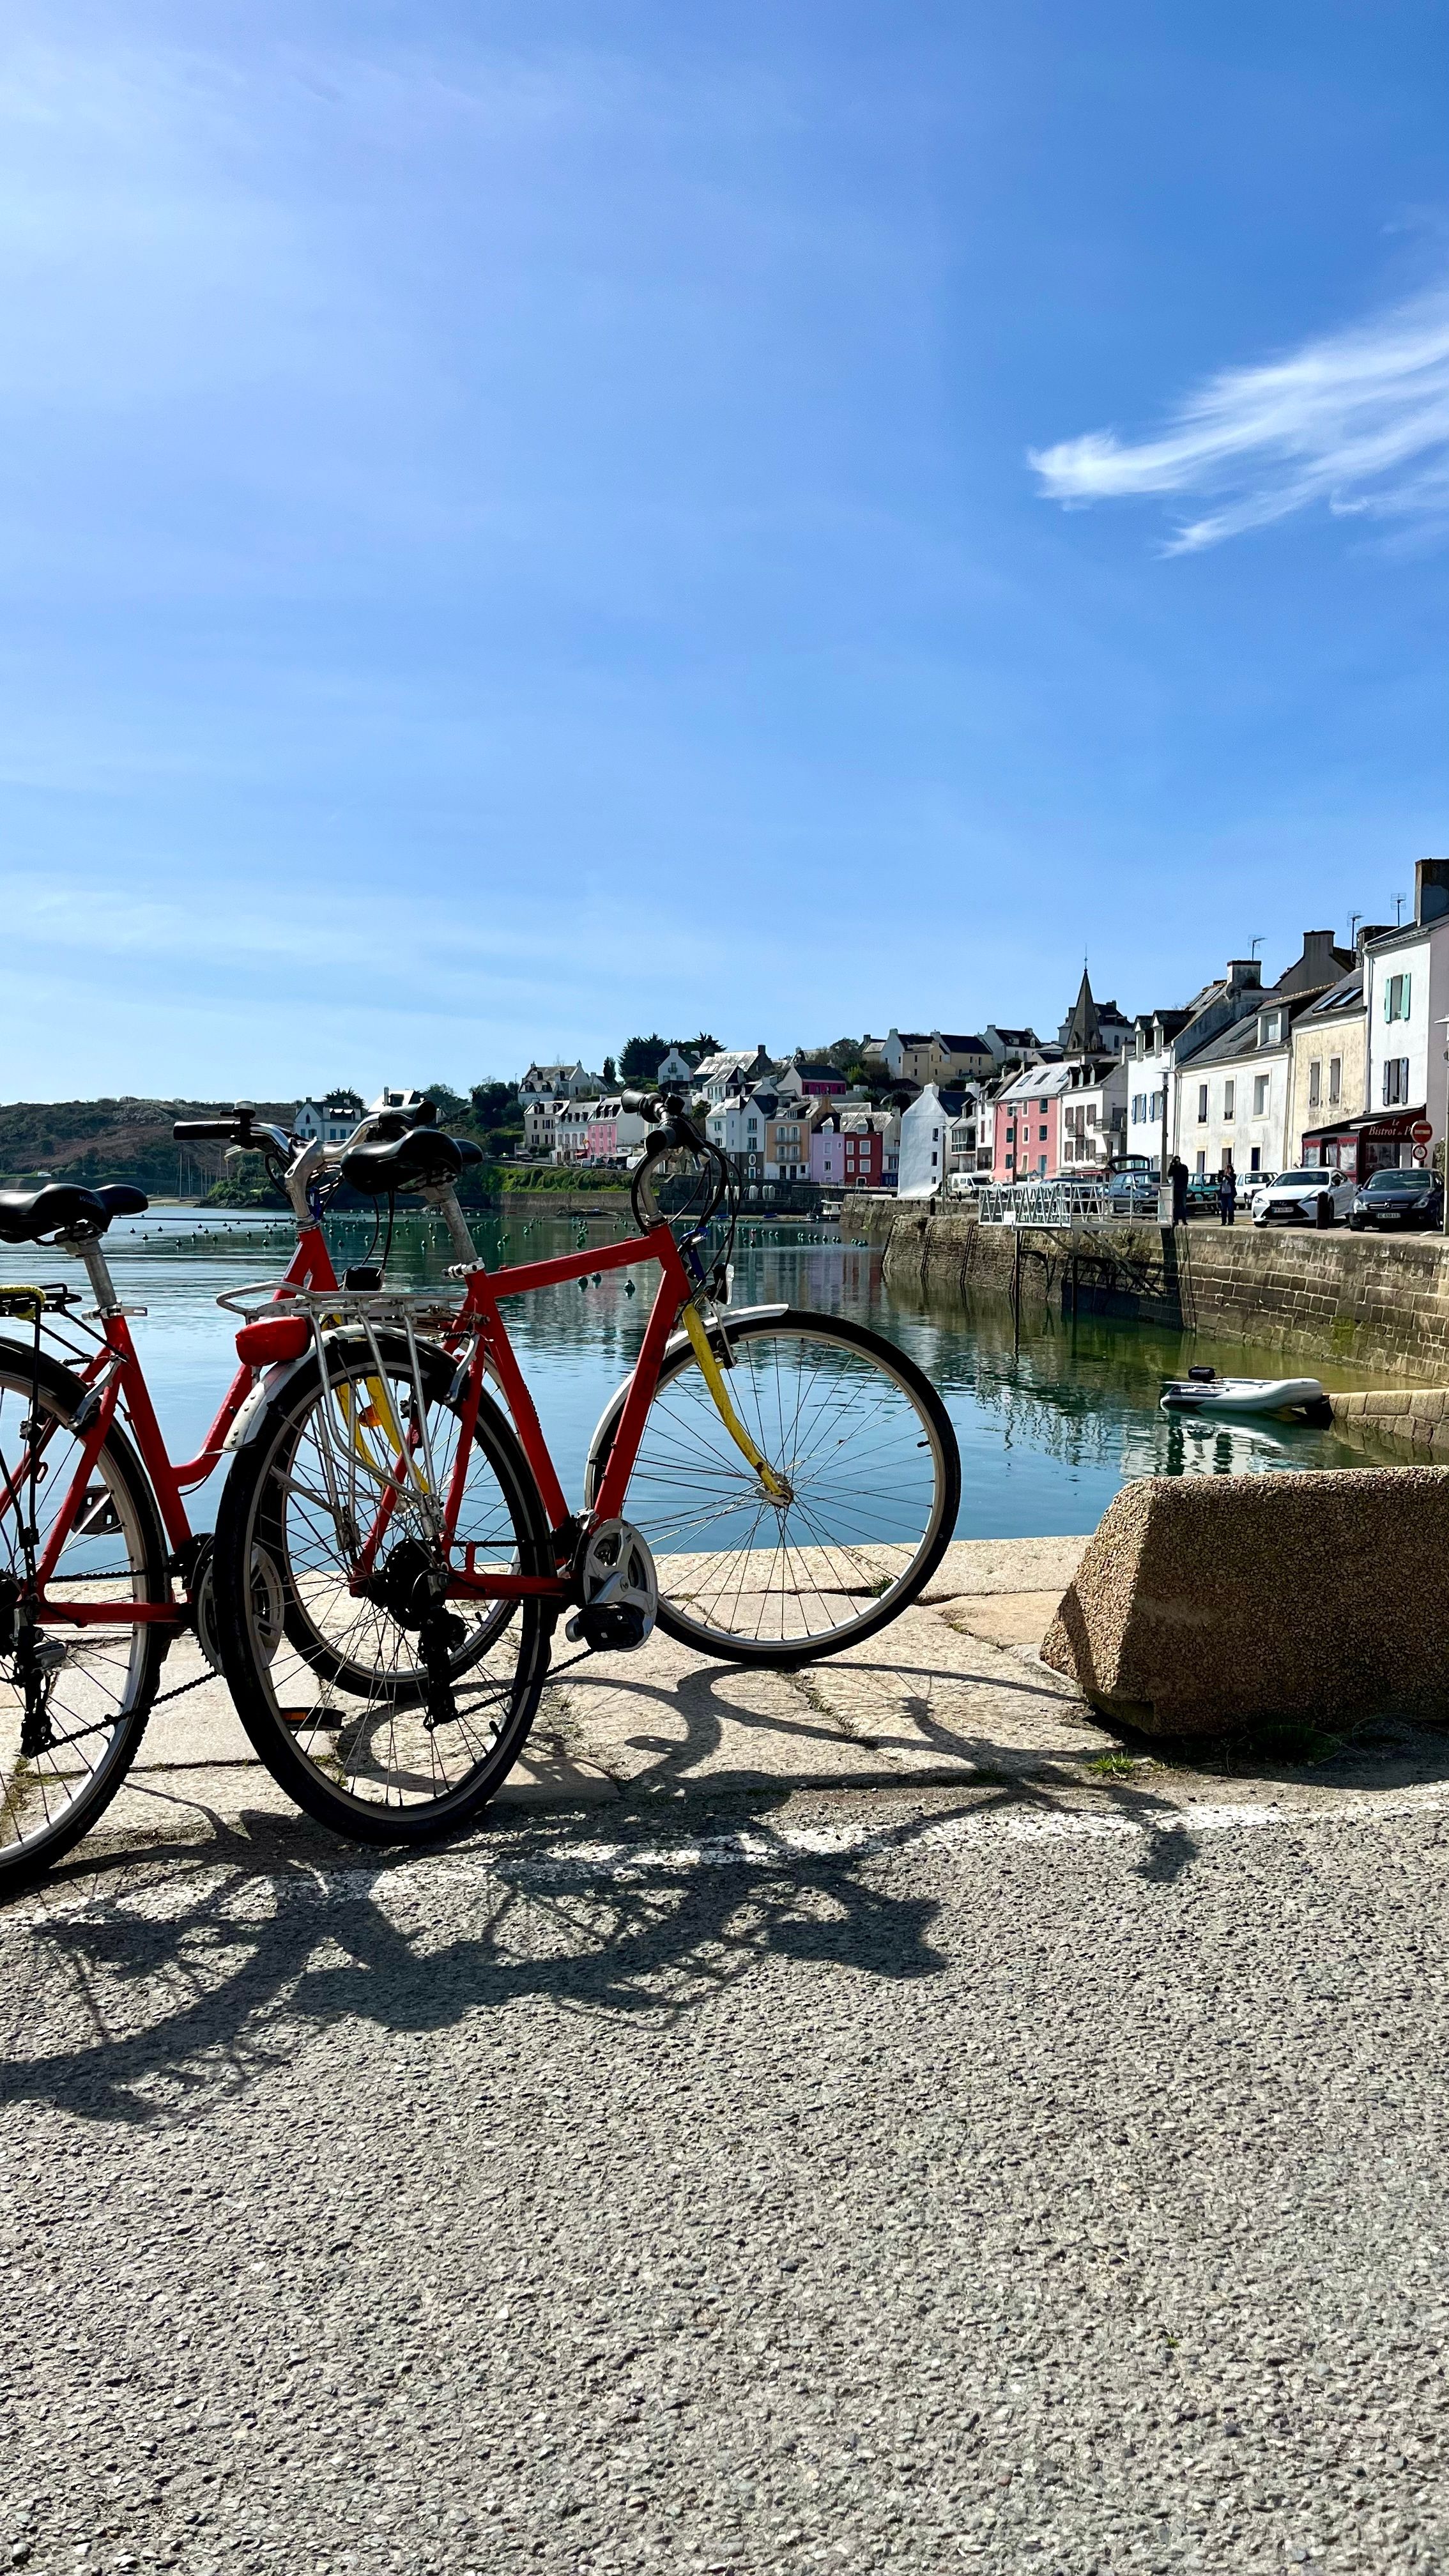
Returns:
<point x="521" y="523"/>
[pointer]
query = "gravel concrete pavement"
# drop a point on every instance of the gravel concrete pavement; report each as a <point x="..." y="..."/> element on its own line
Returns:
<point x="1044" y="2170"/>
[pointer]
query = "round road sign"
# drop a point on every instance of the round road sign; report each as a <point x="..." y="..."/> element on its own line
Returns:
<point x="1421" y="1153"/>
<point x="1421" y="1133"/>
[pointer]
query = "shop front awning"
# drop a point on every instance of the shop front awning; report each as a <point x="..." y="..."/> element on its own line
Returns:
<point x="1385" y="1127"/>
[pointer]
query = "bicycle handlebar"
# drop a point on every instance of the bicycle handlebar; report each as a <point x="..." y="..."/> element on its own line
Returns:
<point x="242" y="1128"/>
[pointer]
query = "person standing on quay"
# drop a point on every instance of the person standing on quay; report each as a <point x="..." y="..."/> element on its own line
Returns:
<point x="1177" y="1174"/>
<point x="1227" y="1195"/>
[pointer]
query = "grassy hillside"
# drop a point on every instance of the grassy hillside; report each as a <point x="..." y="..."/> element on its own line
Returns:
<point x="111" y="1140"/>
<point x="130" y="1140"/>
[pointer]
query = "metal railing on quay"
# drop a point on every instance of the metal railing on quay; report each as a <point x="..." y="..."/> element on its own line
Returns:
<point x="1045" y="1203"/>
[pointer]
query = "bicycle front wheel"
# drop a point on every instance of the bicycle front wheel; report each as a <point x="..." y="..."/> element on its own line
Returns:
<point x="370" y="1730"/>
<point x="865" y="1450"/>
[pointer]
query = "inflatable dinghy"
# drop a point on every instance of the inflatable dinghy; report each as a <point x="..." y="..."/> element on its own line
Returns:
<point x="1203" y="1391"/>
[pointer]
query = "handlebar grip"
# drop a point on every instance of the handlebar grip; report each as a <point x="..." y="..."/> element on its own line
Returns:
<point x="205" y="1131"/>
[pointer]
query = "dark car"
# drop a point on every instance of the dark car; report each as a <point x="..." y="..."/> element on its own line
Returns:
<point x="1133" y="1192"/>
<point x="1202" y="1194"/>
<point x="1403" y="1198"/>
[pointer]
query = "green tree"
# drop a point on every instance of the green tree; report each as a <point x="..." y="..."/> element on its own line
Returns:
<point x="640" y="1058"/>
<point x="495" y="1105"/>
<point x="450" y="1104"/>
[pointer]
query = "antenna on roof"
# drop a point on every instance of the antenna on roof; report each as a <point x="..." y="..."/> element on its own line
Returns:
<point x="1354" y="919"/>
<point x="1399" y="903"/>
<point x="1255" y="943"/>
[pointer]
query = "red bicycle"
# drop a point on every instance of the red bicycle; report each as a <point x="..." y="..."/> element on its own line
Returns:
<point x="394" y="1547"/>
<point x="100" y="1569"/>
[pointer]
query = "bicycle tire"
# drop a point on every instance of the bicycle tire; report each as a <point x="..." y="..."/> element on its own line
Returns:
<point x="37" y="1785"/>
<point x="267" y="1684"/>
<point x="705" y="1482"/>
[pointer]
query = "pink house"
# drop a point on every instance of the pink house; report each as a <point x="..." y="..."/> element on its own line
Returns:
<point x="613" y="1130"/>
<point x="1027" y="1124"/>
<point x="827" y="1156"/>
<point x="849" y="1149"/>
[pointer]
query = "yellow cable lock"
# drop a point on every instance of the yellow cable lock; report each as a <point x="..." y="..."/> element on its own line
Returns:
<point x="713" y="1377"/>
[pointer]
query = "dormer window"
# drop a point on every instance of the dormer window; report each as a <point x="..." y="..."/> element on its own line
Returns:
<point x="1270" y="1027"/>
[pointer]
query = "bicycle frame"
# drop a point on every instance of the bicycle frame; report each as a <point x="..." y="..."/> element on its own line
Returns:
<point x="495" y="1355"/>
<point x="115" y="1368"/>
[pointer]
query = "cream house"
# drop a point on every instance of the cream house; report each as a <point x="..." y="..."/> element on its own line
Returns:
<point x="1329" y="1084"/>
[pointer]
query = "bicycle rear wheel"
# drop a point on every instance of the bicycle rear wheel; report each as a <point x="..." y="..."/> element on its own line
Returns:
<point x="873" y="1475"/>
<point x="63" y="1758"/>
<point x="330" y="1668"/>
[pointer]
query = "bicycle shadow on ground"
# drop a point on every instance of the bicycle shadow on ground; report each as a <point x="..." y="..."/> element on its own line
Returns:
<point x="151" y="1989"/>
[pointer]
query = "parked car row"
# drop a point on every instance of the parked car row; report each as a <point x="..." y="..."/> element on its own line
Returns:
<point x="1311" y="1194"/>
<point x="1408" y="1197"/>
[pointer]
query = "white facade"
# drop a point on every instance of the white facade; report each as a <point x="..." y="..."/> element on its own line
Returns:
<point x="327" y="1125"/>
<point x="572" y="1120"/>
<point x="716" y="1076"/>
<point x="560" y="1082"/>
<point x="673" y="1070"/>
<point x="1093" y="1122"/>
<point x="737" y="1125"/>
<point x="1234" y="1105"/>
<point x="539" y="1115"/>
<point x="923" y="1146"/>
<point x="1407" y="990"/>
<point x="1148" y="1075"/>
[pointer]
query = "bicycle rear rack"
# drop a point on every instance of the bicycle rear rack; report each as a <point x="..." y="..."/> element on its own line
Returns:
<point x="365" y="1440"/>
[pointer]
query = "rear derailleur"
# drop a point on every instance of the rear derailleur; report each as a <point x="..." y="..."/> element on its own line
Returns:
<point x="37" y="1659"/>
<point x="412" y="1586"/>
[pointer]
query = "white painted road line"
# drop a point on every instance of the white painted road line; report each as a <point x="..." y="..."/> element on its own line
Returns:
<point x="594" y="1863"/>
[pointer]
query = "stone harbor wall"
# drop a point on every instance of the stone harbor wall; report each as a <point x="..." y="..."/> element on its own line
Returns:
<point x="1370" y="1300"/>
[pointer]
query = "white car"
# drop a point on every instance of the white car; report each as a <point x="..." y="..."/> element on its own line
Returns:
<point x="1298" y="1198"/>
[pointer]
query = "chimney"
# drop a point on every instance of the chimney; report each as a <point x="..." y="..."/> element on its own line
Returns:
<point x="1245" y="974"/>
<point x="1368" y="930"/>
<point x="1318" y="957"/>
<point x="1431" y="890"/>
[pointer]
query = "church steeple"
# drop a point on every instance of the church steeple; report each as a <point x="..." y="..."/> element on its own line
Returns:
<point x="1082" y="1034"/>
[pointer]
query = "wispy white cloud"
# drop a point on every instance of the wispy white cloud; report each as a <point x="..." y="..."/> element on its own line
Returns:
<point x="1358" y="421"/>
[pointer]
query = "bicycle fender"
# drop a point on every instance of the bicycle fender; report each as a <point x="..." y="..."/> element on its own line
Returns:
<point x="254" y="1404"/>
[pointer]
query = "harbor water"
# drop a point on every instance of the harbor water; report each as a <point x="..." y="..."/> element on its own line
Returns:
<point x="1050" y="1424"/>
